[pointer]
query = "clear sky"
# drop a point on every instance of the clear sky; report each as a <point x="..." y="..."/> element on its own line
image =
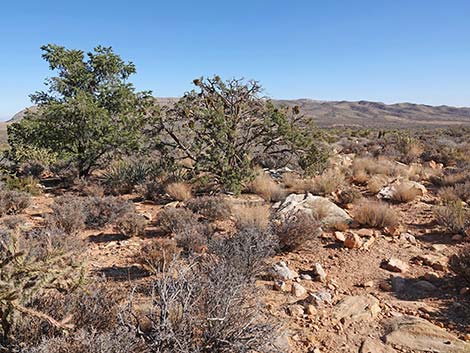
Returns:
<point x="380" y="50"/>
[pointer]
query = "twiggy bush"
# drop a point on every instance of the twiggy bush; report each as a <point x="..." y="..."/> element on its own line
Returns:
<point x="13" y="202"/>
<point x="179" y="191"/>
<point x="131" y="224"/>
<point x="296" y="230"/>
<point x="68" y="215"/>
<point x="156" y="256"/>
<point x="460" y="263"/>
<point x="453" y="217"/>
<point x="404" y="192"/>
<point x="211" y="207"/>
<point x="375" y="214"/>
<point x="252" y="217"/>
<point x="327" y="182"/>
<point x="101" y="211"/>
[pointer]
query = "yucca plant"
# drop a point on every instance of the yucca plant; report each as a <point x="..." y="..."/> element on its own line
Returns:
<point x="28" y="268"/>
<point x="121" y="177"/>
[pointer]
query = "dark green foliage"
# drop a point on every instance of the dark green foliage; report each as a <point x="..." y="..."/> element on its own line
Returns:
<point x="123" y="176"/>
<point x="224" y="128"/>
<point x="88" y="111"/>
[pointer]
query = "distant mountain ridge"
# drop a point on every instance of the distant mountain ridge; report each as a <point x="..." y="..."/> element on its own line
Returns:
<point x="364" y="113"/>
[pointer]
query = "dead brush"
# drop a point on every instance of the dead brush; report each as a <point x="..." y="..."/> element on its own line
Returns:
<point x="405" y="193"/>
<point x="451" y="179"/>
<point x="448" y="194"/>
<point x="252" y="217"/>
<point x="376" y="183"/>
<point x="211" y="207"/>
<point x="68" y="215"/>
<point x="459" y="263"/>
<point x="13" y="202"/>
<point x="156" y="256"/>
<point x="453" y="216"/>
<point x="264" y="186"/>
<point x="131" y="224"/>
<point x="375" y="214"/>
<point x="297" y="229"/>
<point x="179" y="191"/>
<point x="327" y="182"/>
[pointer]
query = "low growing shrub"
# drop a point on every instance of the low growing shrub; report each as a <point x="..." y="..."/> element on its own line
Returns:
<point x="68" y="215"/>
<point x="131" y="224"/>
<point x="13" y="202"/>
<point x="211" y="207"/>
<point x="156" y="256"/>
<point x="294" y="231"/>
<point x="179" y="191"/>
<point x="375" y="214"/>
<point x="453" y="217"/>
<point x="460" y="263"/>
<point x="101" y="211"/>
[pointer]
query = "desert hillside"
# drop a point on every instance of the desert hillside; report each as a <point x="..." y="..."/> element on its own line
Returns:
<point x="364" y="113"/>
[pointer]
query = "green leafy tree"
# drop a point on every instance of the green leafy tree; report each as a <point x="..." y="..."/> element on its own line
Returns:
<point x="89" y="110"/>
<point x="225" y="128"/>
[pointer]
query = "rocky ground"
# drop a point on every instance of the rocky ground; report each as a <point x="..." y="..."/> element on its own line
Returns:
<point x="355" y="290"/>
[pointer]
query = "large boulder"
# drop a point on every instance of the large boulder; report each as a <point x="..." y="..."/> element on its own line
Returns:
<point x="419" y="335"/>
<point x="330" y="215"/>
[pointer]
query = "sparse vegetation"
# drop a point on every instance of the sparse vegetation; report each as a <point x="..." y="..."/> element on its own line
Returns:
<point x="453" y="217"/>
<point x="179" y="191"/>
<point x="375" y="214"/>
<point x="13" y="202"/>
<point x="296" y="230"/>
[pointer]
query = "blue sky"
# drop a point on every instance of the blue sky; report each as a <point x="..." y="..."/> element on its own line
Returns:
<point x="380" y="50"/>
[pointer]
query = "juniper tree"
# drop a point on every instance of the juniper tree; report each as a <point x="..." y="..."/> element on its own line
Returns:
<point x="89" y="110"/>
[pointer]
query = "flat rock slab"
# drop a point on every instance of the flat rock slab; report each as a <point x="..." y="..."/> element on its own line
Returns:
<point x="422" y="336"/>
<point x="371" y="345"/>
<point x="356" y="308"/>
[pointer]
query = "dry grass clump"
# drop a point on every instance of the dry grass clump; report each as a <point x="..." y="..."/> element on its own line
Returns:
<point x="376" y="214"/>
<point x="264" y="186"/>
<point x="131" y="224"/>
<point x="88" y="188"/>
<point x="292" y="181"/>
<point x="179" y="191"/>
<point x="252" y="217"/>
<point x="460" y="263"/>
<point x="453" y="217"/>
<point x="13" y="202"/>
<point x="458" y="177"/>
<point x="68" y="215"/>
<point x="404" y="192"/>
<point x="174" y="220"/>
<point x="294" y="231"/>
<point x="327" y="182"/>
<point x="448" y="194"/>
<point x="376" y="183"/>
<point x="364" y="168"/>
<point x="211" y="207"/>
<point x="156" y="256"/>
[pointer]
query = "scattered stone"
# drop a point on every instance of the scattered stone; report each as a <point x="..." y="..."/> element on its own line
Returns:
<point x="353" y="241"/>
<point x="339" y="236"/>
<point x="375" y="346"/>
<point x="281" y="286"/>
<point x="281" y="271"/>
<point x="409" y="238"/>
<point x="457" y="237"/>
<point x="334" y="216"/>
<point x="420" y="335"/>
<point x="298" y="290"/>
<point x="388" y="192"/>
<point x="305" y="277"/>
<point x="319" y="272"/>
<point x="320" y="298"/>
<point x="356" y="308"/>
<point x="438" y="247"/>
<point x="311" y="310"/>
<point x="296" y="310"/>
<point x="439" y="263"/>
<point x="365" y="232"/>
<point x="395" y="265"/>
<point x="368" y="243"/>
<point x="368" y="284"/>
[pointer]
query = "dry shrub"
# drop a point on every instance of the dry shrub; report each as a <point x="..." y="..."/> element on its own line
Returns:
<point x="151" y="189"/>
<point x="376" y="214"/>
<point x="173" y="220"/>
<point x="68" y="215"/>
<point x="131" y="224"/>
<point x="252" y="217"/>
<point x="13" y="222"/>
<point x="211" y="207"/>
<point x="264" y="186"/>
<point x="348" y="195"/>
<point x="448" y="194"/>
<point x="327" y="182"/>
<point x="88" y="188"/>
<point x="453" y="217"/>
<point x="179" y="191"/>
<point x="360" y="177"/>
<point x="294" y="231"/>
<point x="101" y="211"/>
<point x="376" y="183"/>
<point x="463" y="191"/>
<point x="460" y="263"/>
<point x="404" y="192"/>
<point x="372" y="166"/>
<point x="157" y="255"/>
<point x="457" y="177"/>
<point x="13" y="202"/>
<point x="292" y="181"/>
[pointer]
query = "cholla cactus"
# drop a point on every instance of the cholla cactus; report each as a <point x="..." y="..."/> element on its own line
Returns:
<point x="29" y="267"/>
